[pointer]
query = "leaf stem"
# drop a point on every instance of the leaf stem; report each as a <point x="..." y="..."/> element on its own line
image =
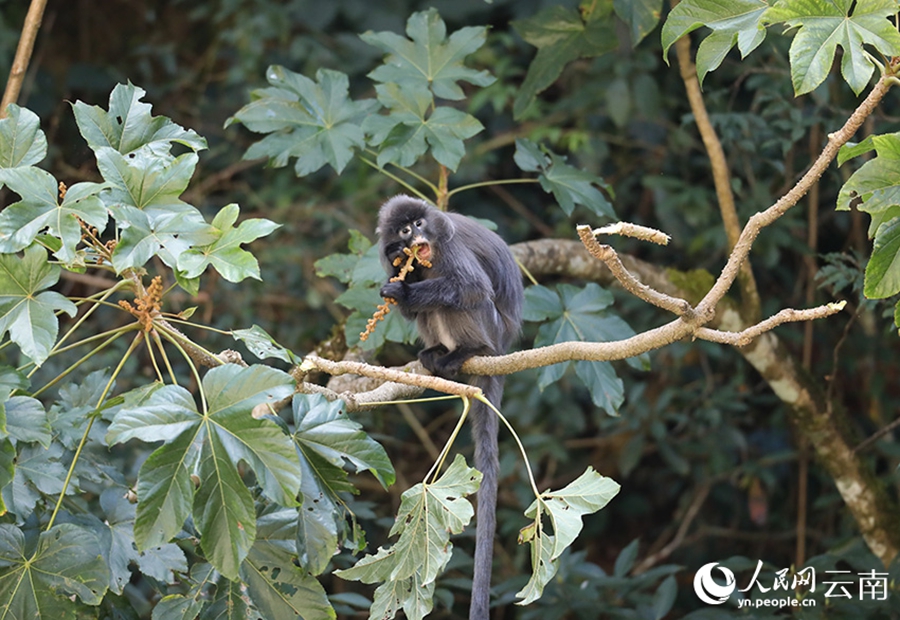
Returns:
<point x="439" y="463"/>
<point x="168" y="336"/>
<point x="165" y="357"/>
<point x="463" y="188"/>
<point x="90" y="424"/>
<point x="515" y="435"/>
<point x="394" y="177"/>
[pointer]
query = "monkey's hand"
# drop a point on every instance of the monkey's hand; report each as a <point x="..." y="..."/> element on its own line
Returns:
<point x="394" y="290"/>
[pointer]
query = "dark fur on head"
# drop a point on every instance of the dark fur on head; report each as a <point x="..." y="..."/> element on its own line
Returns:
<point x="469" y="302"/>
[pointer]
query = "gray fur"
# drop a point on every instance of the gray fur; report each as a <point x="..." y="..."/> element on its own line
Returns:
<point x="468" y="303"/>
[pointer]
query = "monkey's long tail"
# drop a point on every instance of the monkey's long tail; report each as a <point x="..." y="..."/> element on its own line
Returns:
<point x="484" y="436"/>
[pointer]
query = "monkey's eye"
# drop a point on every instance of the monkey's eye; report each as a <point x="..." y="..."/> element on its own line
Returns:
<point x="419" y="223"/>
<point x="405" y="231"/>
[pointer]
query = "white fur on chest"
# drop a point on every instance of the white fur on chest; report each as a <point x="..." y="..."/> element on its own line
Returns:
<point x="443" y="332"/>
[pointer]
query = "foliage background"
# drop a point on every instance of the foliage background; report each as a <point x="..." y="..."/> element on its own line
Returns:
<point x="700" y="427"/>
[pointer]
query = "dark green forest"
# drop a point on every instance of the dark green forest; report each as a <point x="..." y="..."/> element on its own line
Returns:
<point x="703" y="198"/>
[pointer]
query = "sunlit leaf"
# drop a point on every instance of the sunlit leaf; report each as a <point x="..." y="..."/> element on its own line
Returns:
<point x="27" y="311"/>
<point x="737" y="22"/>
<point x="316" y="122"/>
<point x="429" y="58"/>
<point x="225" y="253"/>
<point x="39" y="210"/>
<point x="564" y="509"/>
<point x="823" y="26"/>
<point x="22" y="143"/>
<point x="883" y="270"/>
<point x="128" y="125"/>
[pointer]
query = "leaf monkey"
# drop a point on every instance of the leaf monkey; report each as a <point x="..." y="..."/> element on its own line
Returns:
<point x="469" y="302"/>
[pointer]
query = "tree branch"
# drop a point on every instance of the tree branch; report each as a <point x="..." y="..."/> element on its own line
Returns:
<point x="23" y="54"/>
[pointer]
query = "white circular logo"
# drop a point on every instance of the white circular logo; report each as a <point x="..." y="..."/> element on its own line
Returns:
<point x="708" y="590"/>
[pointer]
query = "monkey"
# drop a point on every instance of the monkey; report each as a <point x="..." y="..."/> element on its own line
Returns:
<point x="468" y="303"/>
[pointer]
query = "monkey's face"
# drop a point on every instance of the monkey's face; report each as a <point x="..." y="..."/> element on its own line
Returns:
<point x="415" y="234"/>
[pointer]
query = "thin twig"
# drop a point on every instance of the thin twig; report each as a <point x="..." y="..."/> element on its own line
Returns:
<point x="23" y="54"/>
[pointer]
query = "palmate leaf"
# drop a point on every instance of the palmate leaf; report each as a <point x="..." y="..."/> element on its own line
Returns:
<point x="824" y="25"/>
<point x="27" y="311"/>
<point x="39" y="210"/>
<point x="166" y="234"/>
<point x="316" y="122"/>
<point x="35" y="584"/>
<point x="225" y="253"/>
<point x="277" y="587"/>
<point x="736" y="22"/>
<point x="569" y="185"/>
<point x="580" y="314"/>
<point x="429" y="59"/>
<point x="212" y="444"/>
<point x="327" y="441"/>
<point x="565" y="508"/>
<point x="561" y="36"/>
<point x="412" y="126"/>
<point x="428" y="515"/>
<point x="128" y="125"/>
<point x="22" y="143"/>
<point x="146" y="181"/>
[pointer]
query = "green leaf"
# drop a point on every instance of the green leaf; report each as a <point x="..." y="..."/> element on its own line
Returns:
<point x="223" y="510"/>
<point x="38" y="472"/>
<point x="160" y="413"/>
<point x="429" y="59"/>
<point x="640" y="15"/>
<point x="405" y="134"/>
<point x="876" y="183"/>
<point x="22" y="143"/>
<point x="129" y="126"/>
<point x="883" y="270"/>
<point x="738" y="22"/>
<point x="586" y="495"/>
<point x="263" y="346"/>
<point x="20" y="223"/>
<point x="561" y="36"/>
<point x="580" y="314"/>
<point x="67" y="562"/>
<point x="164" y="492"/>
<point x="316" y="122"/>
<point x="225" y="253"/>
<point x="165" y="234"/>
<point x="825" y="24"/>
<point x="327" y="441"/>
<point x="429" y="514"/>
<point x="26" y="420"/>
<point x="569" y="185"/>
<point x="145" y="181"/>
<point x="279" y="588"/>
<point x="27" y="311"/>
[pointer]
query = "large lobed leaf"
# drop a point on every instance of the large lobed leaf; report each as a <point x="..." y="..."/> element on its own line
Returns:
<point x="826" y="24"/>
<point x="36" y="584"/>
<point x="316" y="122"/>
<point x="428" y="515"/>
<point x="129" y="126"/>
<point x="27" y="311"/>
<point x="565" y="509"/>
<point x="429" y="59"/>
<point x="22" y="143"/>
<point x="210" y="444"/>
<point x="735" y="22"/>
